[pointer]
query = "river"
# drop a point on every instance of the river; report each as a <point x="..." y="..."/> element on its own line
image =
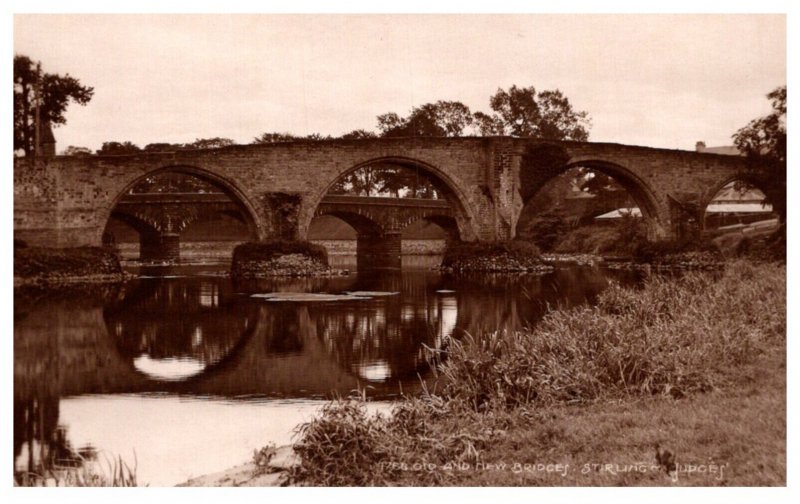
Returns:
<point x="187" y="372"/>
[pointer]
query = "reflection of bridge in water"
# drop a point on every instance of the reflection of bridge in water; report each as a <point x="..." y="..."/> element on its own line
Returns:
<point x="200" y="337"/>
<point x="204" y="337"/>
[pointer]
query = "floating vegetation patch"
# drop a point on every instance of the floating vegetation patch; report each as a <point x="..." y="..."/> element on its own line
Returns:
<point x="299" y="297"/>
<point x="371" y="293"/>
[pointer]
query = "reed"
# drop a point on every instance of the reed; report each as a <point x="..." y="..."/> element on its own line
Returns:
<point x="672" y="338"/>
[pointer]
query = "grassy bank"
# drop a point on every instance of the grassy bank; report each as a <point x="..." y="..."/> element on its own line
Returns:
<point x="680" y="382"/>
<point x="34" y="265"/>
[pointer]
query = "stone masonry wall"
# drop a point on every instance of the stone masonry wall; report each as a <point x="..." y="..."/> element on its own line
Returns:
<point x="66" y="201"/>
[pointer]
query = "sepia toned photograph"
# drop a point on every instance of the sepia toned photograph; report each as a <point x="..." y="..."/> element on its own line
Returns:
<point x="417" y="250"/>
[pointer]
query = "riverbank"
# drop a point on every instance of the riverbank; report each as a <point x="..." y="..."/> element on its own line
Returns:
<point x="272" y="472"/>
<point x="667" y="385"/>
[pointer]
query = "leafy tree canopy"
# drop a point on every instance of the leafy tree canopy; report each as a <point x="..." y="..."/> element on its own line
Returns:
<point x="440" y="119"/>
<point x="522" y="112"/>
<point x="763" y="141"/>
<point x="118" y="148"/>
<point x="270" y="138"/>
<point x="72" y="150"/>
<point x="56" y="92"/>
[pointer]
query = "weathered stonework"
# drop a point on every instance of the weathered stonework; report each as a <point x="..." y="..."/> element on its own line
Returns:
<point x="66" y="201"/>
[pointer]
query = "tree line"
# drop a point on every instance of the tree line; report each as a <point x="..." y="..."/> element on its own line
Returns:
<point x="518" y="111"/>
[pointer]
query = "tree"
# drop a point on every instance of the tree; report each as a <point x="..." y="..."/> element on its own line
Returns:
<point x="118" y="148"/>
<point x="211" y="143"/>
<point x="164" y="147"/>
<point x="55" y="94"/>
<point x="440" y="119"/>
<point x="489" y="125"/>
<point x="76" y="151"/>
<point x="522" y="112"/>
<point x="763" y="141"/>
<point x="268" y="138"/>
<point x="315" y="137"/>
<point x="358" y="134"/>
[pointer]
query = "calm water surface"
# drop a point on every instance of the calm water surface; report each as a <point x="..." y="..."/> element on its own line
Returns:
<point x="189" y="372"/>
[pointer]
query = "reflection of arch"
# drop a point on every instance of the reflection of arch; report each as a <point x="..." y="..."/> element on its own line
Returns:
<point x="451" y="191"/>
<point x="154" y="319"/>
<point x="227" y="186"/>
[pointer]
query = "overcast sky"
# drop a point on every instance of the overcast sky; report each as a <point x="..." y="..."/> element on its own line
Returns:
<point x="655" y="80"/>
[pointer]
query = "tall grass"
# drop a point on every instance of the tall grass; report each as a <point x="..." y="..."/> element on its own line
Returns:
<point x="88" y="473"/>
<point x="673" y="336"/>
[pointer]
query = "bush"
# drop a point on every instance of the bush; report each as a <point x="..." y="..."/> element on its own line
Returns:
<point x="648" y="251"/>
<point x="592" y="239"/>
<point x="342" y="447"/>
<point x="544" y="230"/>
<point x="266" y="251"/>
<point x="278" y="258"/>
<point x="515" y="255"/>
<point x="43" y="262"/>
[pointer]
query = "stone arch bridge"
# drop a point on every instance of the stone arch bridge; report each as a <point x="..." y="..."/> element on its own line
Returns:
<point x="485" y="181"/>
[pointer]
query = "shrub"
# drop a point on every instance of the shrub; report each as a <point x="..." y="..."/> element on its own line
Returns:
<point x="343" y="447"/>
<point x="648" y="251"/>
<point x="268" y="250"/>
<point x="592" y="239"/>
<point x="487" y="256"/>
<point x="34" y="262"/>
<point x="544" y="230"/>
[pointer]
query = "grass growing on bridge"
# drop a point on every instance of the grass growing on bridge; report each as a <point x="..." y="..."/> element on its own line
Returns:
<point x="695" y="363"/>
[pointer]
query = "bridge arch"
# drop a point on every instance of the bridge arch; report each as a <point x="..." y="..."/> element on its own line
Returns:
<point x="230" y="188"/>
<point x="547" y="161"/>
<point x="451" y="191"/>
<point x="751" y="181"/>
<point x="161" y="222"/>
<point x="638" y="189"/>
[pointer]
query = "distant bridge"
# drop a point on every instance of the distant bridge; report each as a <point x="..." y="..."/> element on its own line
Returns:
<point x="161" y="217"/>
